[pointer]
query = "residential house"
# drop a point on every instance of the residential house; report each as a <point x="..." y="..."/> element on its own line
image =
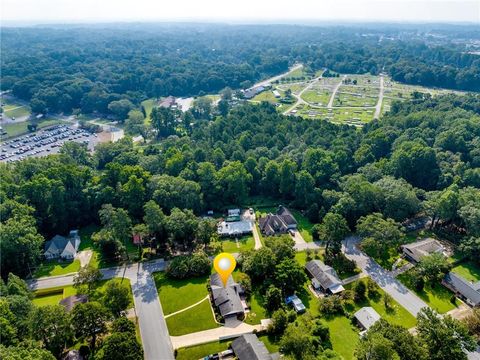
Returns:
<point x="366" y="317"/>
<point x="168" y="102"/>
<point x="464" y="289"/>
<point x="62" y="247"/>
<point x="415" y="251"/>
<point x="324" y="277"/>
<point x="249" y="347"/>
<point x="70" y="301"/>
<point x="227" y="299"/>
<point x="279" y="223"/>
<point x="234" y="228"/>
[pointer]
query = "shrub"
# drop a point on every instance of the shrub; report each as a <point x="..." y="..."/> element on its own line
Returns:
<point x="331" y="305"/>
<point x="182" y="267"/>
<point x="360" y="291"/>
<point x="373" y="288"/>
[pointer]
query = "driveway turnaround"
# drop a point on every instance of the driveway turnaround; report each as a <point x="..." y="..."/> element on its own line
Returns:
<point x="153" y="328"/>
<point x="382" y="277"/>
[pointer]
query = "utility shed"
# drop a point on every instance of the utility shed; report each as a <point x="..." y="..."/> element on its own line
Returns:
<point x="366" y="317"/>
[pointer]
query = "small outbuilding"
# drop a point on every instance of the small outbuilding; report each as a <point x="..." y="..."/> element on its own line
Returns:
<point x="415" y="251"/>
<point x="366" y="317"/>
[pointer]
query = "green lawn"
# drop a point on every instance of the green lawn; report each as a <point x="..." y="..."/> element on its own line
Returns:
<point x="200" y="351"/>
<point x="178" y="294"/>
<point x="54" y="268"/>
<point x="469" y="270"/>
<point x="244" y="243"/>
<point x="148" y="106"/>
<point x="437" y="297"/>
<point x="20" y="128"/>
<point x="52" y="296"/>
<point x="16" y="111"/>
<point x="198" y="318"/>
<point x="257" y="311"/>
<point x="343" y="335"/>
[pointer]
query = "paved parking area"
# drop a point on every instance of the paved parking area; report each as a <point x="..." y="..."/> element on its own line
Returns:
<point x="45" y="142"/>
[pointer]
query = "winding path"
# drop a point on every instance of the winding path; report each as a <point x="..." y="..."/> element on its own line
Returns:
<point x="332" y="98"/>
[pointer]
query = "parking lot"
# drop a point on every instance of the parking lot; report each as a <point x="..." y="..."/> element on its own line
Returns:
<point x="44" y="142"/>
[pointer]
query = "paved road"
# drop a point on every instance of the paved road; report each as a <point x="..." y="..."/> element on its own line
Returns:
<point x="378" y="108"/>
<point x="153" y="328"/>
<point x="330" y="102"/>
<point x="278" y="77"/>
<point x="382" y="277"/>
<point x="299" y="96"/>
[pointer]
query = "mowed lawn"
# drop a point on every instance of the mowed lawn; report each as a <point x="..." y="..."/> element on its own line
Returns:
<point x="437" y="297"/>
<point x="469" y="270"/>
<point x="343" y="335"/>
<point x="176" y="295"/>
<point x="197" y="318"/>
<point x="52" y="296"/>
<point x="16" y="129"/>
<point x="55" y="268"/>
<point x="244" y="243"/>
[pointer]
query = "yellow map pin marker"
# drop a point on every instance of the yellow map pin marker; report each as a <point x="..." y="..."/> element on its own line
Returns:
<point x="224" y="264"/>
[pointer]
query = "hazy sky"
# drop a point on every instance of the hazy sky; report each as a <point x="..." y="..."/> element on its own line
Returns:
<point x="240" y="10"/>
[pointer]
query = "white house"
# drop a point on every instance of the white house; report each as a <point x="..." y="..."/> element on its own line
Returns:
<point x="62" y="247"/>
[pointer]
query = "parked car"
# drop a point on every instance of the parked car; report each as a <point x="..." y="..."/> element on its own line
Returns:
<point x="296" y="303"/>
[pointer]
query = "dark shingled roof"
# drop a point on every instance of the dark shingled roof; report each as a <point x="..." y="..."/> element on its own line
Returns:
<point x="469" y="290"/>
<point x="325" y="275"/>
<point x="278" y="223"/>
<point x="227" y="299"/>
<point x="248" y="347"/>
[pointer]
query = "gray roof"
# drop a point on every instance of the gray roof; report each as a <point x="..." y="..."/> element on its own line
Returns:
<point x="367" y="316"/>
<point x="324" y="274"/>
<point x="59" y="243"/>
<point x="277" y="223"/>
<point x="422" y="248"/>
<point x="249" y="347"/>
<point x="469" y="290"/>
<point x="227" y="299"/>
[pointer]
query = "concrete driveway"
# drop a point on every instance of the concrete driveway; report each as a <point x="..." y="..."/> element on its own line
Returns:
<point x="382" y="277"/>
<point x="84" y="256"/>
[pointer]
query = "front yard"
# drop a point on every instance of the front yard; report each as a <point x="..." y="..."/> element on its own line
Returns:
<point x="55" y="268"/>
<point x="437" y="297"/>
<point x="53" y="296"/>
<point x="198" y="318"/>
<point x="468" y="270"/>
<point x="244" y="243"/>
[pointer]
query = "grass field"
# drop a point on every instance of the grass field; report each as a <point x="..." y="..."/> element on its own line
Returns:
<point x="178" y="294"/>
<point x="20" y="128"/>
<point x="17" y="111"/>
<point x="257" y="311"/>
<point x="244" y="243"/>
<point x="198" y="318"/>
<point x="343" y="335"/>
<point x="54" y="268"/>
<point x="469" y="270"/>
<point x="53" y="295"/>
<point x="318" y="97"/>
<point x="148" y="106"/>
<point x="437" y="297"/>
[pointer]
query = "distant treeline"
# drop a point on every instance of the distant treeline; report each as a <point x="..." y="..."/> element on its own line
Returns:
<point x="62" y="69"/>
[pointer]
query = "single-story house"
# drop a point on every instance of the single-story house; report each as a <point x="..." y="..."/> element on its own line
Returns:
<point x="168" y="102"/>
<point x="250" y="93"/>
<point x="279" y="223"/>
<point x="70" y="301"/>
<point x="415" y="251"/>
<point x="276" y="94"/>
<point x="235" y="228"/>
<point x="62" y="247"/>
<point x="324" y="277"/>
<point x="249" y="347"/>
<point x="227" y="298"/>
<point x="366" y="317"/>
<point x="464" y="289"/>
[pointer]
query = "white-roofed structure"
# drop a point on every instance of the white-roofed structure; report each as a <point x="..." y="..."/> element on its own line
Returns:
<point x="366" y="317"/>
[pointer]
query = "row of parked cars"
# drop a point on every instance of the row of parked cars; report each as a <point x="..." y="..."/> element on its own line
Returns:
<point x="42" y="142"/>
